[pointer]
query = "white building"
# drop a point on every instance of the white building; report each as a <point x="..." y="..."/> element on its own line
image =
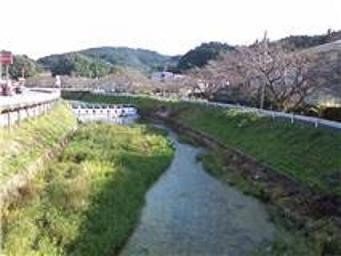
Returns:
<point x="165" y="76"/>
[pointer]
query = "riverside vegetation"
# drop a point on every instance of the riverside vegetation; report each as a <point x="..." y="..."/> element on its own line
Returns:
<point x="87" y="201"/>
<point x="24" y="144"/>
<point x="308" y="156"/>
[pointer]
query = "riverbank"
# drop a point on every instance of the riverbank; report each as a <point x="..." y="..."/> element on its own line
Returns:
<point x="308" y="223"/>
<point x="309" y="155"/>
<point x="283" y="164"/>
<point x="87" y="201"/>
<point x="25" y="143"/>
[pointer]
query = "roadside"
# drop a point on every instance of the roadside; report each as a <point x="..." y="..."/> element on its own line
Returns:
<point x="28" y="97"/>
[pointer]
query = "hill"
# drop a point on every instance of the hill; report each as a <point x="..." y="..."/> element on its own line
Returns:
<point x="97" y="62"/>
<point x="76" y="64"/>
<point x="201" y="55"/>
<point x="144" y="60"/>
<point x="330" y="93"/>
<point x="300" y="42"/>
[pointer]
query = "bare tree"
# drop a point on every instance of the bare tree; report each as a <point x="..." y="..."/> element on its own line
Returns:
<point x="278" y="77"/>
<point x="284" y="78"/>
<point x="207" y="81"/>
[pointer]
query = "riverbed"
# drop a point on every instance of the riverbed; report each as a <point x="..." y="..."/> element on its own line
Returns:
<point x="188" y="212"/>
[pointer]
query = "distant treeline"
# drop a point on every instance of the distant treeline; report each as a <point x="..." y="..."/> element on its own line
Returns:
<point x="23" y="66"/>
<point x="98" y="62"/>
<point x="304" y="41"/>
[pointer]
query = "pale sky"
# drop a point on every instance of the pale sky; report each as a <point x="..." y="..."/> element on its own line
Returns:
<point x="43" y="27"/>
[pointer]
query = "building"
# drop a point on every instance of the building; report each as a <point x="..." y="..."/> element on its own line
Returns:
<point x="165" y="76"/>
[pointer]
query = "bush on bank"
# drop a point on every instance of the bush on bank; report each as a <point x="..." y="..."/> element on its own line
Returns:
<point x="88" y="200"/>
<point x="30" y="139"/>
<point x="307" y="154"/>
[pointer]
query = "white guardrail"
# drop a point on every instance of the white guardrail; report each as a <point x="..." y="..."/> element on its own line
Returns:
<point x="274" y="114"/>
<point x="29" y="97"/>
<point x="33" y="102"/>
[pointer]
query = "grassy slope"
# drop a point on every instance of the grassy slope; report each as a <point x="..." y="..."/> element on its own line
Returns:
<point x="307" y="154"/>
<point x="25" y="143"/>
<point x="311" y="156"/>
<point x="314" y="238"/>
<point x="88" y="201"/>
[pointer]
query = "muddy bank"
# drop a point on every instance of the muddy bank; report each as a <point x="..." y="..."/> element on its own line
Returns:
<point x="188" y="212"/>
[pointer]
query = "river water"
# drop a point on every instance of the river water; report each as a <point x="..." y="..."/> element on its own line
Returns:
<point x="188" y="212"/>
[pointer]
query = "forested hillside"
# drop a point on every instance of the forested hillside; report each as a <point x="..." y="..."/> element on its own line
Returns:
<point x="97" y="62"/>
<point x="304" y="41"/>
<point x="201" y="55"/>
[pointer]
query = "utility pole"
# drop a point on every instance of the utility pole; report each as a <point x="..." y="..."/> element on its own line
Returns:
<point x="0" y="71"/>
<point x="265" y="45"/>
<point x="7" y="73"/>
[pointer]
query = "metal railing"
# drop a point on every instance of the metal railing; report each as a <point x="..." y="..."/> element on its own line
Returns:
<point x="292" y="117"/>
<point x="14" y="109"/>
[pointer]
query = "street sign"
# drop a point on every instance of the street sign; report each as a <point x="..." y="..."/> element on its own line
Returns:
<point x="6" y="58"/>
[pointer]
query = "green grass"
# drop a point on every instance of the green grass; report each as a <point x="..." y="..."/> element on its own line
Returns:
<point x="88" y="201"/>
<point x="315" y="238"/>
<point x="29" y="140"/>
<point x="309" y="155"/>
<point x="145" y="104"/>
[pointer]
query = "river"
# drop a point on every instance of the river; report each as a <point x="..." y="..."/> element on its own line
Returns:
<point x="188" y="212"/>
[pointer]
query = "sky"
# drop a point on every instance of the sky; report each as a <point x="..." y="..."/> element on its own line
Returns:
<point x="42" y="27"/>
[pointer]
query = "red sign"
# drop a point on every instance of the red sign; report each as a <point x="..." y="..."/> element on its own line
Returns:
<point x="6" y="58"/>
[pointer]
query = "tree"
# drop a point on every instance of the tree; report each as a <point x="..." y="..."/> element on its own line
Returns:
<point x="23" y="65"/>
<point x="201" y="55"/>
<point x="280" y="78"/>
<point x="207" y="81"/>
<point x="76" y="64"/>
<point x="284" y="79"/>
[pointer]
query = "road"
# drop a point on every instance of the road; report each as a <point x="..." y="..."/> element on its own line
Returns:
<point x="29" y="97"/>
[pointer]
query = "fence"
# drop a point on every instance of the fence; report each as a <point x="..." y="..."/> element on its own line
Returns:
<point x="291" y="117"/>
<point x="14" y="109"/>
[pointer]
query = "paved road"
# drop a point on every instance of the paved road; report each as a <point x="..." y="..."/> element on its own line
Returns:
<point x="189" y="212"/>
<point x="27" y="98"/>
